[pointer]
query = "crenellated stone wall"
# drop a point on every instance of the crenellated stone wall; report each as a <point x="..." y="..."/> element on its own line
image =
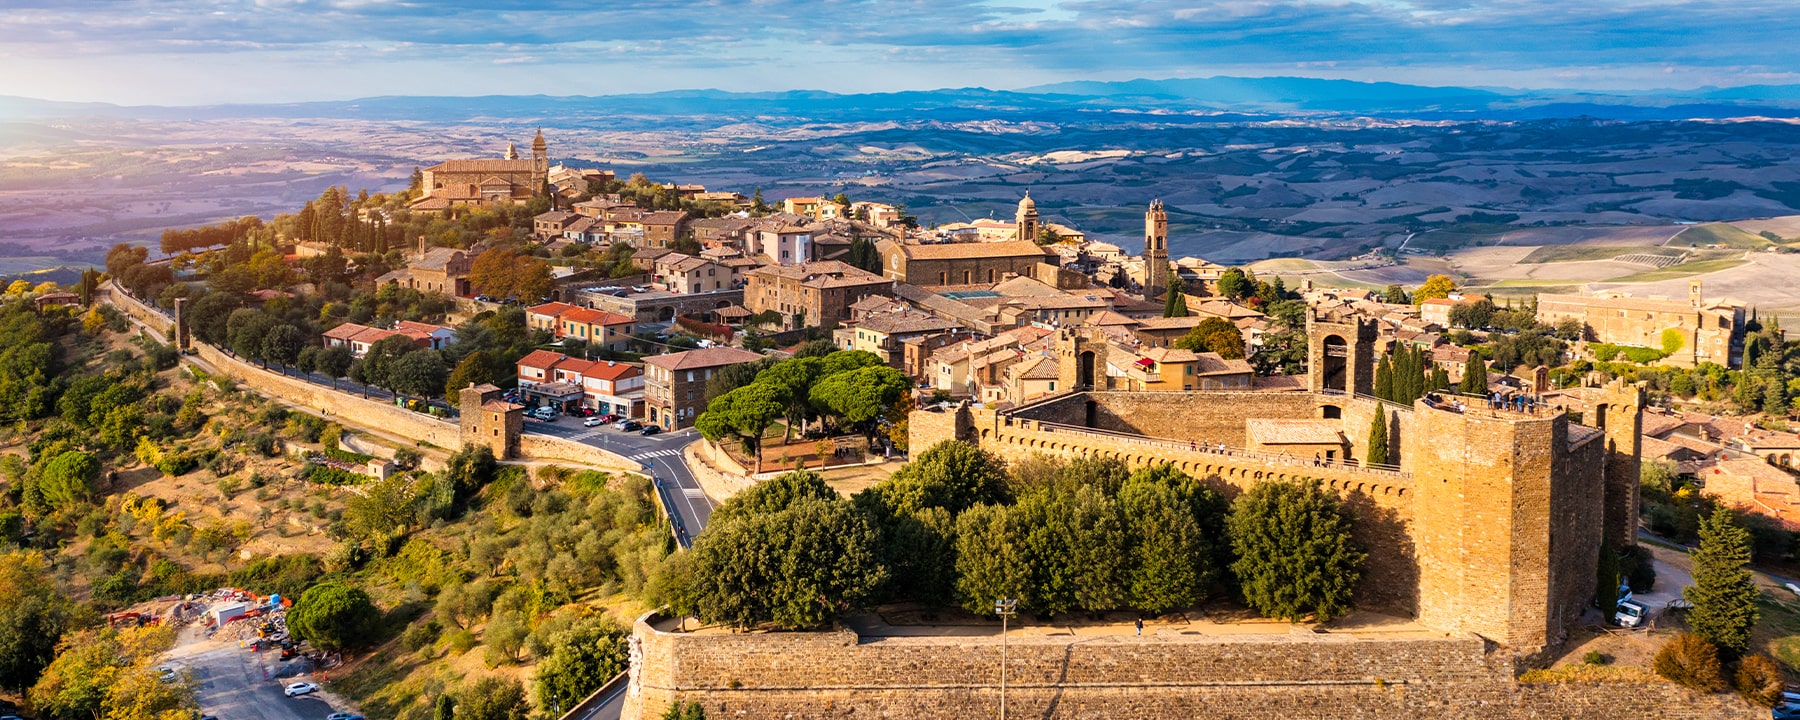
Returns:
<point x="1301" y="675"/>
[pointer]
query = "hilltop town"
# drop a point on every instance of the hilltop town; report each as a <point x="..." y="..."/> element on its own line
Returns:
<point x="664" y="448"/>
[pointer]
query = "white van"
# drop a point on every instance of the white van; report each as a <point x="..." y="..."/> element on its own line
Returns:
<point x="1630" y="614"/>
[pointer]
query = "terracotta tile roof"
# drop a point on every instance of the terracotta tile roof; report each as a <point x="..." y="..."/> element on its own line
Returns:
<point x="500" y="406"/>
<point x="1211" y="364"/>
<point x="613" y="371"/>
<point x="344" y="331"/>
<point x="663" y="217"/>
<point x="906" y="321"/>
<point x="542" y="359"/>
<point x="963" y="251"/>
<point x="550" y="309"/>
<point x="1042" y="369"/>
<point x="702" y="358"/>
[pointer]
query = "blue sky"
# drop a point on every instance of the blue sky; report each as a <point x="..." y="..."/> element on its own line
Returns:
<point x="212" y="51"/>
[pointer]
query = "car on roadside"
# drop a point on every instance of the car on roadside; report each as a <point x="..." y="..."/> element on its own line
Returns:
<point x="630" y="426"/>
<point x="300" y="688"/>
<point x="650" y="430"/>
<point x="1785" y="711"/>
<point x="343" y="716"/>
<point x="1630" y="613"/>
<point x="593" y="422"/>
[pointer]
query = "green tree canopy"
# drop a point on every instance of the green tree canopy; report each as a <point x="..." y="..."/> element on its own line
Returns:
<point x="1295" y="554"/>
<point x="69" y="477"/>
<point x="744" y="413"/>
<point x="335" y="616"/>
<point x="1175" y="300"/>
<point x="797" y="568"/>
<point x="990" y="559"/>
<point x="776" y="494"/>
<point x="33" y="615"/>
<point x="581" y="659"/>
<point x="333" y="361"/>
<point x="860" y="395"/>
<point x="420" y="372"/>
<point x="476" y="368"/>
<point x="953" y="475"/>
<point x="282" y="344"/>
<point x="1215" y="335"/>
<point x="492" y="698"/>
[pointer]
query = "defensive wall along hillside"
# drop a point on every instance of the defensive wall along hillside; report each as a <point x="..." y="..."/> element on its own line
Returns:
<point x="352" y="409"/>
<point x="838" y="674"/>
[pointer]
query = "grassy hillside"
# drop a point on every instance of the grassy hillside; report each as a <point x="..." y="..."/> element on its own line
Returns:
<point x="1720" y="234"/>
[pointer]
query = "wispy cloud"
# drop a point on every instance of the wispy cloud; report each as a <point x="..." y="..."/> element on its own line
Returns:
<point x="101" y="46"/>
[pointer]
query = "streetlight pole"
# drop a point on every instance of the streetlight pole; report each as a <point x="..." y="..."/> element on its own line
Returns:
<point x="1004" y="607"/>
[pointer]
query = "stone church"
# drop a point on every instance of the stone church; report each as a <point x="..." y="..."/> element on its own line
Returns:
<point x="510" y="179"/>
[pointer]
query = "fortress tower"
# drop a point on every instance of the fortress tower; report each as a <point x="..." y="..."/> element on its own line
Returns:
<point x="1027" y="219"/>
<point x="1617" y="410"/>
<point x="1340" y="354"/>
<point x="1080" y="359"/>
<point x="1156" y="251"/>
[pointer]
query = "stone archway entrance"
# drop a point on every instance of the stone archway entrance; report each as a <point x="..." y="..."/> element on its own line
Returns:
<point x="1336" y="364"/>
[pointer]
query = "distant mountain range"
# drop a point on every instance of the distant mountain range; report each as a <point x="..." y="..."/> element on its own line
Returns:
<point x="1194" y="99"/>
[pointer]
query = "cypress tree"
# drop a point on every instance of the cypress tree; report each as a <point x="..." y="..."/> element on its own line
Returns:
<point x="1378" y="438"/>
<point x="1474" y="380"/>
<point x="1606" y="585"/>
<point x="1440" y="380"/>
<point x="1723" y="593"/>
<point x="1175" y="304"/>
<point x="1384" y="379"/>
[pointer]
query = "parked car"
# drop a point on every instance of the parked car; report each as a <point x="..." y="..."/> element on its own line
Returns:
<point x="610" y="418"/>
<point x="650" y="430"/>
<point x="1785" y="711"/>
<point x="300" y="688"/>
<point x="593" y="422"/>
<point x="631" y="426"/>
<point x="167" y="674"/>
<point x="1630" y="613"/>
<point x="343" y="716"/>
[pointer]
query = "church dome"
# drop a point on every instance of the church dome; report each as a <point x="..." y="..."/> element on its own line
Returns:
<point x="1027" y="203"/>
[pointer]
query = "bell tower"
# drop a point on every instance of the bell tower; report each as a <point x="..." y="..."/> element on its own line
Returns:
<point x="540" y="158"/>
<point x="1027" y="218"/>
<point x="1156" y="250"/>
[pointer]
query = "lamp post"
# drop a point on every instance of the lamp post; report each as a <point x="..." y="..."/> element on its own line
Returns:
<point x="1004" y="607"/>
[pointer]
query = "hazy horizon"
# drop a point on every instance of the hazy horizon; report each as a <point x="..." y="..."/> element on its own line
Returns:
<point x="186" y="52"/>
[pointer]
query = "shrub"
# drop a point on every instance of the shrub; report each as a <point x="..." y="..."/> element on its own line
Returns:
<point x="1593" y="657"/>
<point x="1690" y="661"/>
<point x="1759" y="680"/>
<point x="1640" y="572"/>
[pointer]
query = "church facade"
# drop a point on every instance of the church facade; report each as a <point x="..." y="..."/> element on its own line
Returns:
<point x="510" y="179"/>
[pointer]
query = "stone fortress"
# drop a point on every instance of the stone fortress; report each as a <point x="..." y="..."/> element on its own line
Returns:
<point x="1485" y="530"/>
<point x="1489" y="521"/>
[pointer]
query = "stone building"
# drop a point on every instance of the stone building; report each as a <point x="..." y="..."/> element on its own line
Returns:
<point x="490" y="421"/>
<point x="675" y="384"/>
<point x="819" y="293"/>
<point x="1696" y="331"/>
<point x="510" y="179"/>
<point x="965" y="263"/>
<point x="1488" y="521"/>
<point x="435" y="270"/>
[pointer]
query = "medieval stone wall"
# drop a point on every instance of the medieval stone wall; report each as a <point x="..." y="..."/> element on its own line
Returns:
<point x="1202" y="417"/>
<point x="1301" y="675"/>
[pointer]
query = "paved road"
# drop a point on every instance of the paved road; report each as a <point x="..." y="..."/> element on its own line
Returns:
<point x="662" y="456"/>
<point x="231" y="685"/>
<point x="610" y="707"/>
